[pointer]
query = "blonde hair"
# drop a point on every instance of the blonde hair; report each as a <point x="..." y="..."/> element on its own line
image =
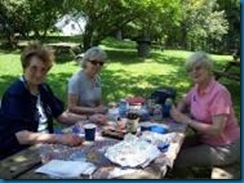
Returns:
<point x="35" y="49"/>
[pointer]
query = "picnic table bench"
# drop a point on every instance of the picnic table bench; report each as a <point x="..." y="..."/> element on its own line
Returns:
<point x="225" y="72"/>
<point x="16" y="165"/>
<point x="22" y="165"/>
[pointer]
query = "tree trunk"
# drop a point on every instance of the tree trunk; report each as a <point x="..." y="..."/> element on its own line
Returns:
<point x="143" y="47"/>
<point x="87" y="41"/>
<point x="37" y="34"/>
<point x="119" y="35"/>
<point x="88" y="36"/>
<point x="184" y="36"/>
<point x="12" y="41"/>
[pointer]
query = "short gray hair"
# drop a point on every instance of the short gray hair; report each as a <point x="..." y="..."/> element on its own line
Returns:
<point x="200" y="58"/>
<point x="91" y="53"/>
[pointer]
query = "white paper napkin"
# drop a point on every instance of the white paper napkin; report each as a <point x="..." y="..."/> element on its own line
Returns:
<point x="66" y="169"/>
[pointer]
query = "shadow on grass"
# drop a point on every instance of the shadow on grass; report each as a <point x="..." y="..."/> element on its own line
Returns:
<point x="130" y="57"/>
<point x="62" y="58"/>
<point x="5" y="82"/>
<point x="118" y="84"/>
<point x="115" y="43"/>
<point x="59" y="84"/>
<point x="4" y="50"/>
<point x="170" y="60"/>
<point x="123" y="56"/>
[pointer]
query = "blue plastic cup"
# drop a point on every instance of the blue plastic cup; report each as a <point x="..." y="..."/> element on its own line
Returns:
<point x="90" y="131"/>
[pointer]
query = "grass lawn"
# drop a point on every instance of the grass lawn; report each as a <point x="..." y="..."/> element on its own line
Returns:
<point x="124" y="74"/>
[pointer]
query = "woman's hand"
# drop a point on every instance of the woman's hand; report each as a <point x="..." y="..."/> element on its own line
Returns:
<point x="69" y="139"/>
<point x="101" y="109"/>
<point x="98" y="118"/>
<point x="178" y="116"/>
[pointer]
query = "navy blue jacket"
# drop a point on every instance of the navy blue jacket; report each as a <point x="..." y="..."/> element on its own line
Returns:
<point x="18" y="112"/>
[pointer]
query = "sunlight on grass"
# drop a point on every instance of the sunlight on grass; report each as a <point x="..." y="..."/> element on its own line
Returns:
<point x="176" y="53"/>
<point x="10" y="64"/>
<point x="124" y="73"/>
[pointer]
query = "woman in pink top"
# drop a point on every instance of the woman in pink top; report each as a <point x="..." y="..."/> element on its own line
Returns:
<point x="217" y="137"/>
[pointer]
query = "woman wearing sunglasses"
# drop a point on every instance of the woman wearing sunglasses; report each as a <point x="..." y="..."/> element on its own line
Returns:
<point x="29" y="105"/>
<point x="84" y="88"/>
<point x="217" y="138"/>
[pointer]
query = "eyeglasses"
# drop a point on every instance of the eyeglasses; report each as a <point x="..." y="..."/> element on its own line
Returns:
<point x="95" y="62"/>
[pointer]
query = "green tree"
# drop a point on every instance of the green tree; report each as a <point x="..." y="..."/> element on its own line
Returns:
<point x="158" y="18"/>
<point x="201" y="25"/>
<point x="28" y="16"/>
<point x="232" y="11"/>
<point x="42" y="15"/>
<point x="12" y="19"/>
<point x="105" y="17"/>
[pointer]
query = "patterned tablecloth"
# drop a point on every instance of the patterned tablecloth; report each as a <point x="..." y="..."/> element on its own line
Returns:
<point x="94" y="152"/>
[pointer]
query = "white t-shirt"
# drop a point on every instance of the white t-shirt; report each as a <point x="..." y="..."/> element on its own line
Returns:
<point x="43" y="126"/>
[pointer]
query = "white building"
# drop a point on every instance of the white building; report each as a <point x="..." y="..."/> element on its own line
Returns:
<point x="71" y="25"/>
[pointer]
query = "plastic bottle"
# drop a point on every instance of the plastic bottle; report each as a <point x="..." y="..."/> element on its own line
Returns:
<point x="157" y="113"/>
<point x="167" y="106"/>
<point x="150" y="106"/>
<point x="123" y="106"/>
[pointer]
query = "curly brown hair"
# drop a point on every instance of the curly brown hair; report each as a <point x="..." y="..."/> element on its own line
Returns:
<point x="36" y="49"/>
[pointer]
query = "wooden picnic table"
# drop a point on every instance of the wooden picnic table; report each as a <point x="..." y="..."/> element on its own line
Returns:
<point x="226" y="71"/>
<point x="22" y="165"/>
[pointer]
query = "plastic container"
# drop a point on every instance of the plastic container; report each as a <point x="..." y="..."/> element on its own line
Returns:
<point x="158" y="129"/>
<point x="167" y="107"/>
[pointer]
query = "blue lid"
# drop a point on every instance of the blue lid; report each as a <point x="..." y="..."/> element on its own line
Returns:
<point x="158" y="129"/>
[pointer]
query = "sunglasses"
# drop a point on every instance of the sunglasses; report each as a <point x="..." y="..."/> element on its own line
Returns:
<point x="95" y="62"/>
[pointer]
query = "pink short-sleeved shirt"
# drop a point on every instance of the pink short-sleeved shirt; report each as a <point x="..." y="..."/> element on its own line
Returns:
<point x="215" y="100"/>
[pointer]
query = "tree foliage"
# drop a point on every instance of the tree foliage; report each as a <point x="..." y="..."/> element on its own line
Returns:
<point x="201" y="25"/>
<point x="232" y="11"/>
<point x="28" y="16"/>
<point x="158" y="17"/>
<point x="188" y="24"/>
<point x="145" y="18"/>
